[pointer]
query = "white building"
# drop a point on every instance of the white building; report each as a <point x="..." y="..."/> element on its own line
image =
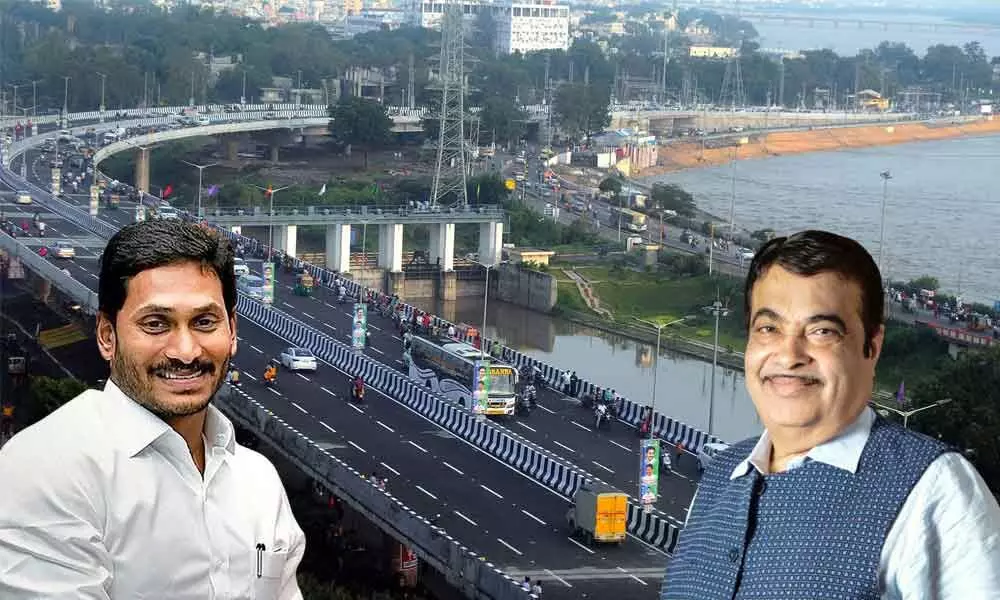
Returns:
<point x="531" y="25"/>
<point x="522" y="25"/>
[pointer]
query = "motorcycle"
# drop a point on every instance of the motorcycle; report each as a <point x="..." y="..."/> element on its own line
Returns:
<point x="601" y="417"/>
<point x="270" y="377"/>
<point x="358" y="395"/>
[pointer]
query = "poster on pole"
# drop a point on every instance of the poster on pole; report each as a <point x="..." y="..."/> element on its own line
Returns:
<point x="95" y="197"/>
<point x="480" y="386"/>
<point x="56" y="181"/>
<point x="359" y="326"/>
<point x="140" y="213"/>
<point x="649" y="470"/>
<point x="268" y="270"/>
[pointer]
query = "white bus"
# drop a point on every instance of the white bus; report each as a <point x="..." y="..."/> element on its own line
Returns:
<point x="448" y="365"/>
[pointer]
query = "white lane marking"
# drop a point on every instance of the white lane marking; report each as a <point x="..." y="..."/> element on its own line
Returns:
<point x="356" y="408"/>
<point x="94" y="276"/>
<point x="376" y="349"/>
<point x="491" y="491"/>
<point x="602" y="466"/>
<point x="512" y="548"/>
<point x="548" y="410"/>
<point x="330" y="429"/>
<point x="245" y="374"/>
<point x="288" y="305"/>
<point x="330" y="326"/>
<point x="274" y="391"/>
<point x="357" y="446"/>
<point x="632" y="576"/>
<point x="426" y="492"/>
<point x="303" y="377"/>
<point x="328" y="391"/>
<point x="256" y="349"/>
<point x="375" y="327"/>
<point x="452" y="468"/>
<point x="384" y="426"/>
<point x="583" y="427"/>
<point x="533" y="517"/>
<point x="304" y="411"/>
<point x="558" y="578"/>
<point x="326" y="303"/>
<point x="467" y="519"/>
<point x="390" y="468"/>
<point x="305" y="314"/>
<point x="556" y="442"/>
<point x="528" y="427"/>
<point x="580" y="545"/>
<point x="625" y="448"/>
<point x="397" y="338"/>
<point x="418" y="447"/>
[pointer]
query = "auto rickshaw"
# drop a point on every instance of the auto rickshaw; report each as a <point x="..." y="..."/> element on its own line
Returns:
<point x="304" y="284"/>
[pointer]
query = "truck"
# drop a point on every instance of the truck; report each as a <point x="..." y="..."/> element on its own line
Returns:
<point x="599" y="513"/>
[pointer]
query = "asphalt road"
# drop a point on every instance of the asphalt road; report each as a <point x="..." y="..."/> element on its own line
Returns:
<point x="513" y="521"/>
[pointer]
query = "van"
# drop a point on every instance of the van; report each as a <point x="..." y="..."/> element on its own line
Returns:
<point x="252" y="286"/>
<point x="23" y="197"/>
<point x="167" y="212"/>
<point x="708" y="452"/>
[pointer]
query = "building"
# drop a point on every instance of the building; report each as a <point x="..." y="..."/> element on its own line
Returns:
<point x="522" y="25"/>
<point x="712" y="52"/>
<point x="531" y="25"/>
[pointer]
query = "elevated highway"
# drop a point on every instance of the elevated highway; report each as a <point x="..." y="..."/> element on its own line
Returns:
<point x="489" y="507"/>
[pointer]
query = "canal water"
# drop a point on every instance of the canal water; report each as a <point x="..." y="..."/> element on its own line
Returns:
<point x="683" y="384"/>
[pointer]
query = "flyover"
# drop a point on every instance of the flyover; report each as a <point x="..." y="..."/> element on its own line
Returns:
<point x="313" y="425"/>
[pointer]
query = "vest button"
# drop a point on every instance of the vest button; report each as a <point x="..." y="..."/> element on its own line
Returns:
<point x="762" y="487"/>
<point x="734" y="555"/>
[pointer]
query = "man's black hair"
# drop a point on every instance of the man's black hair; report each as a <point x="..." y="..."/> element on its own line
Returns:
<point x="156" y="243"/>
<point x="812" y="252"/>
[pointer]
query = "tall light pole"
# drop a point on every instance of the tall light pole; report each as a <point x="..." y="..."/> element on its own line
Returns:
<point x="66" y="79"/>
<point x="201" y="170"/>
<point x="15" y="86"/>
<point x="906" y="414"/>
<point x="486" y="299"/>
<point x="270" y="216"/>
<point x="732" y="202"/>
<point x="718" y="310"/>
<point x="34" y="96"/>
<point x="104" y="79"/>
<point x="886" y="176"/>
<point x="656" y="366"/>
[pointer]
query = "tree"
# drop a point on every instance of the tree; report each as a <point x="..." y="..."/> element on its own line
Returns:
<point x="46" y="394"/>
<point x="582" y="109"/>
<point x="612" y="185"/>
<point x="501" y="120"/>
<point x="668" y="196"/>
<point x="487" y="189"/>
<point x="360" y="122"/>
<point x="971" y="421"/>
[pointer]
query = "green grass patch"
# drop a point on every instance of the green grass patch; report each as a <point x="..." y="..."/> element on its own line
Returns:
<point x="569" y="297"/>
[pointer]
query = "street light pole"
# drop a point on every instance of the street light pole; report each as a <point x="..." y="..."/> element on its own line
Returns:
<point x="66" y="79"/>
<point x="270" y="217"/>
<point x="486" y="300"/>
<point x="718" y="311"/>
<point x="201" y="170"/>
<point x="886" y="176"/>
<point x="34" y="96"/>
<point x="656" y="361"/>
<point x="906" y="414"/>
<point x="15" y="86"/>
<point x="104" y="79"/>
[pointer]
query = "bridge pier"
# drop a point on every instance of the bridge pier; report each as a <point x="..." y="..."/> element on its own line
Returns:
<point x="390" y="252"/>
<point x="286" y="238"/>
<point x="490" y="243"/>
<point x="231" y="147"/>
<point x="442" y="246"/>
<point x="338" y="248"/>
<point x="142" y="170"/>
<point x="395" y="283"/>
<point x="273" y="148"/>
<point x="448" y="285"/>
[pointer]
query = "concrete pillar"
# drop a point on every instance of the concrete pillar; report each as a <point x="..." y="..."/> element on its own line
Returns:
<point x="274" y="152"/>
<point x="338" y="248"/>
<point x="232" y="148"/>
<point x="390" y="247"/>
<point x="291" y="239"/>
<point x="490" y="243"/>
<point x="395" y="282"/>
<point x="142" y="170"/>
<point x="443" y="245"/>
<point x="448" y="285"/>
<point x="279" y="237"/>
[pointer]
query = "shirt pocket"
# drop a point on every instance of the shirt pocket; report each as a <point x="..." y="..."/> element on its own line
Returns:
<point x="267" y="574"/>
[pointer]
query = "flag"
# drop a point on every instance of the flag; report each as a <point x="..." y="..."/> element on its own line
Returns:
<point x="322" y="190"/>
<point x="901" y="394"/>
<point x="167" y="190"/>
<point x="213" y="190"/>
<point x="268" y="192"/>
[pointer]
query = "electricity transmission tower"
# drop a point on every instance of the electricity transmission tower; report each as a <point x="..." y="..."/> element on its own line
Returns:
<point x="733" y="94"/>
<point x="450" y="173"/>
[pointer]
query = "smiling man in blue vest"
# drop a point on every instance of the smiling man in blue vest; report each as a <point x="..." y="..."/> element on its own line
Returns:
<point x="832" y="502"/>
<point x="139" y="490"/>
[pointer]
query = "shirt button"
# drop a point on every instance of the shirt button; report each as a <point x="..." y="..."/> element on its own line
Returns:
<point x="762" y="487"/>
<point x="734" y="555"/>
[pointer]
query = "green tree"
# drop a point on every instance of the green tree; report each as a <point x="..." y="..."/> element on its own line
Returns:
<point x="501" y="120"/>
<point x="360" y="122"/>
<point x="582" y="109"/>
<point x="668" y="196"/>
<point x="971" y="422"/>
<point x="487" y="189"/>
<point x="612" y="185"/>
<point x="46" y="394"/>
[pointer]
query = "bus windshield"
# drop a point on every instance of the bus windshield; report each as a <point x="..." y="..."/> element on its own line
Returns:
<point x="503" y="381"/>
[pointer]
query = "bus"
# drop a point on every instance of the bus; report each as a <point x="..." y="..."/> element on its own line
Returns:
<point x="447" y="367"/>
<point x="628" y="219"/>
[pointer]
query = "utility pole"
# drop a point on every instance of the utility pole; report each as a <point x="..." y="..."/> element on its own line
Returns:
<point x="104" y="79"/>
<point x="243" y="90"/>
<point x="66" y="79"/>
<point x="781" y="82"/>
<point x="410" y="85"/>
<point x="201" y="170"/>
<point x="548" y="101"/>
<point x="34" y="96"/>
<point x="449" y="184"/>
<point x="191" y="97"/>
<point x="886" y="176"/>
<point x="718" y="310"/>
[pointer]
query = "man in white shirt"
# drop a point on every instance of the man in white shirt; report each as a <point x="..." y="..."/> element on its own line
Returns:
<point x="832" y="501"/>
<point x="140" y="490"/>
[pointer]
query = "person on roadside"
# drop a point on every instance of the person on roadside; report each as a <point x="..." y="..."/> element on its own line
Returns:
<point x="832" y="501"/>
<point x="140" y="489"/>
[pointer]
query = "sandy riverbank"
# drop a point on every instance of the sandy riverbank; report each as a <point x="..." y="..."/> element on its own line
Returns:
<point x="691" y="154"/>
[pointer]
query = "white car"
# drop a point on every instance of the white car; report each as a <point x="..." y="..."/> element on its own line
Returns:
<point x="298" y="359"/>
<point x="63" y="250"/>
<point x="708" y="453"/>
<point x="240" y="267"/>
<point x="252" y="286"/>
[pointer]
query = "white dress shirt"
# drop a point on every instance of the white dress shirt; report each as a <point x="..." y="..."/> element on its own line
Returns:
<point x="102" y="500"/>
<point x="945" y="542"/>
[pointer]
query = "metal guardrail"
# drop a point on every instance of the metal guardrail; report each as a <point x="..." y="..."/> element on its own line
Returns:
<point x="314" y="215"/>
<point x="62" y="282"/>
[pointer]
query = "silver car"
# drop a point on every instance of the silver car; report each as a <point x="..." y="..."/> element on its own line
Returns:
<point x="298" y="359"/>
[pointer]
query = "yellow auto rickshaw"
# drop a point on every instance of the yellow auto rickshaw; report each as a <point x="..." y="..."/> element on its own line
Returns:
<point x="304" y="284"/>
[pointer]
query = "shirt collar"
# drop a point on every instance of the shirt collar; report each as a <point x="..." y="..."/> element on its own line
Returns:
<point x="843" y="451"/>
<point x="137" y="428"/>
